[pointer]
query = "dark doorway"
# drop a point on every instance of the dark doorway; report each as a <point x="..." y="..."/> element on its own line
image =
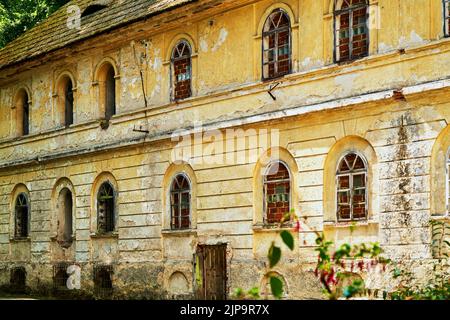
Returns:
<point x="211" y="272"/>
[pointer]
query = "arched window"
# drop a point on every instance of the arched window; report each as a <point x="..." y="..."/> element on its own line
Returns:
<point x="65" y="218"/>
<point x="107" y="86"/>
<point x="180" y="203"/>
<point x="22" y="216"/>
<point x="277" y="192"/>
<point x="181" y="71"/>
<point x="68" y="103"/>
<point x="447" y="18"/>
<point x="352" y="188"/>
<point x="277" y="45"/>
<point x="106" y="209"/>
<point x="22" y="105"/>
<point x="351" y="29"/>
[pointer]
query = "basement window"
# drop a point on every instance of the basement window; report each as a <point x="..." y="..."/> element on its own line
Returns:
<point x="352" y="188"/>
<point x="351" y="29"/>
<point x="90" y="10"/>
<point x="277" y="45"/>
<point x="103" y="284"/>
<point x="447" y="18"/>
<point x="18" y="280"/>
<point x="277" y="192"/>
<point x="60" y="276"/>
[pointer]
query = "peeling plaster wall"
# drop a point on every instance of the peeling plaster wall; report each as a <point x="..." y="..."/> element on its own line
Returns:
<point x="227" y="87"/>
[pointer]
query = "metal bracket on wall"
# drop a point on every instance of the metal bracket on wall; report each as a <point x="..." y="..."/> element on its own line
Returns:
<point x="273" y="87"/>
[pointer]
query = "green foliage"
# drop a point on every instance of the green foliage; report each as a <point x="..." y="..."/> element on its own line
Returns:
<point x="274" y="255"/>
<point x="18" y="16"/>
<point x="438" y="286"/>
<point x="288" y="239"/>
<point x="276" y="286"/>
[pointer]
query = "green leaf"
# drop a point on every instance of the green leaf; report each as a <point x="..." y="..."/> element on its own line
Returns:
<point x="254" y="292"/>
<point x="288" y="239"/>
<point x="274" y="255"/>
<point x="276" y="285"/>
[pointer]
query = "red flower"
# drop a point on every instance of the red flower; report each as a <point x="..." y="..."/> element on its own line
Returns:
<point x="361" y="265"/>
<point x="298" y="227"/>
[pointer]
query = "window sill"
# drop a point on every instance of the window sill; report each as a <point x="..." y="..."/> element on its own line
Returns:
<point x="348" y="224"/>
<point x="104" y="236"/>
<point x="272" y="228"/>
<point x="441" y="218"/>
<point x="19" y="240"/>
<point x="179" y="233"/>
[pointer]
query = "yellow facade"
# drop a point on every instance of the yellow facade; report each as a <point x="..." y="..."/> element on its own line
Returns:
<point x="391" y="106"/>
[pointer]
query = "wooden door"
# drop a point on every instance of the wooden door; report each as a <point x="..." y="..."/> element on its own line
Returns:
<point x="212" y="271"/>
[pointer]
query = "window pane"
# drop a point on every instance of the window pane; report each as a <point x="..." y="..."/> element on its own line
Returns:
<point x="359" y="181"/>
<point x="276" y="45"/>
<point x="344" y="182"/>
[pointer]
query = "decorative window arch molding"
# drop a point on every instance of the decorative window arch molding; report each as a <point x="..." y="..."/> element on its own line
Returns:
<point x="104" y="177"/>
<point x="280" y="5"/>
<point x="440" y="175"/>
<point x="173" y="171"/>
<point x="60" y="186"/>
<point x="360" y="146"/>
<point x="18" y="190"/>
<point x="176" y="39"/>
<point x="270" y="156"/>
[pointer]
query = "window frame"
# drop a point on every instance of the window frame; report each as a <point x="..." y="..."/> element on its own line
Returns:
<point x="349" y="10"/>
<point x="106" y="230"/>
<point x="172" y="204"/>
<point x="264" y="34"/>
<point x="446" y="17"/>
<point x="351" y="174"/>
<point x="17" y="235"/>
<point x="173" y="79"/>
<point x="265" y="183"/>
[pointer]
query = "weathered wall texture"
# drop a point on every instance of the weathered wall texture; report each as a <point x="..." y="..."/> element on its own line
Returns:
<point x="322" y="110"/>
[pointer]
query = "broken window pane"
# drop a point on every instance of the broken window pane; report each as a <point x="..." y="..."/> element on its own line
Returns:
<point x="106" y="209"/>
<point x="277" y="45"/>
<point x="277" y="188"/>
<point x="22" y="212"/>
<point x="351" y="188"/>
<point x="180" y="195"/>
<point x="181" y="71"/>
<point x="351" y="30"/>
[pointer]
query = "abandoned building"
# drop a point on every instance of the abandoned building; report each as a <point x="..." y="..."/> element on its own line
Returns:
<point x="356" y="92"/>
